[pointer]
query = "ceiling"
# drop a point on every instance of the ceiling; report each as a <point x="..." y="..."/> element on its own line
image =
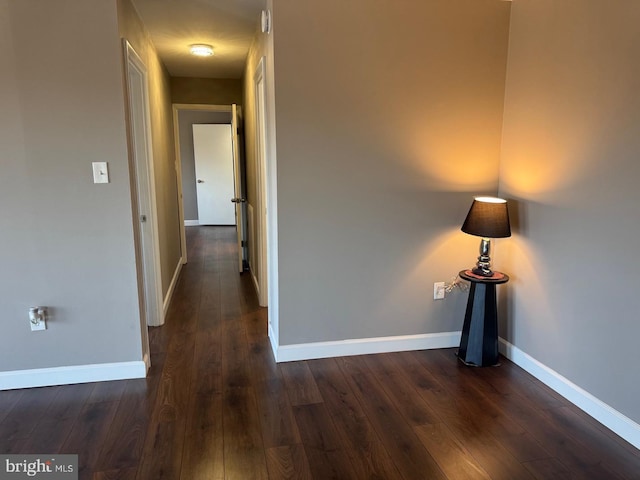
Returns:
<point x="228" y="25"/>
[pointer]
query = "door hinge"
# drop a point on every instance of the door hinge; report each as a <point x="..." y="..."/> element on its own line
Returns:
<point x="244" y="243"/>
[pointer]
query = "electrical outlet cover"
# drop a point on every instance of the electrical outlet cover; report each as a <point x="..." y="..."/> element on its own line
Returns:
<point x="38" y="326"/>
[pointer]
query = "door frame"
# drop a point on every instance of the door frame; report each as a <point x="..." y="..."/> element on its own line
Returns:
<point x="177" y="108"/>
<point x="262" y="197"/>
<point x="265" y="69"/>
<point x="143" y="199"/>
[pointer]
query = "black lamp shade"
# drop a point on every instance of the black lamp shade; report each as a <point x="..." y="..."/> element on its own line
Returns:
<point x="488" y="218"/>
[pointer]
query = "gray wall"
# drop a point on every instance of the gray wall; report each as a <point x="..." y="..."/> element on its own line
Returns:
<point x="386" y="128"/>
<point x="211" y="91"/>
<point x="65" y="242"/>
<point x="186" y="119"/>
<point x="570" y="160"/>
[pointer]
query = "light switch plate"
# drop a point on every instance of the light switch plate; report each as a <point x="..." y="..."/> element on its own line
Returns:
<point x="100" y="172"/>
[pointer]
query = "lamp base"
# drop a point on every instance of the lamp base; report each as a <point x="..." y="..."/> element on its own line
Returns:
<point x="482" y="272"/>
<point x="483" y="267"/>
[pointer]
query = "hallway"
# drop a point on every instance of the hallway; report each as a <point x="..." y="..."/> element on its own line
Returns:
<point x="216" y="406"/>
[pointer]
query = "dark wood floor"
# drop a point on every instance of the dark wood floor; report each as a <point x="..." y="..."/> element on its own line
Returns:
<point x="216" y="406"/>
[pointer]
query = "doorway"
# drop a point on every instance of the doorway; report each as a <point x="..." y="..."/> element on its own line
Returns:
<point x="143" y="195"/>
<point x="185" y="118"/>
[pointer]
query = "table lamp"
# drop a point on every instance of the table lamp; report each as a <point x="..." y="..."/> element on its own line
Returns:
<point x="487" y="218"/>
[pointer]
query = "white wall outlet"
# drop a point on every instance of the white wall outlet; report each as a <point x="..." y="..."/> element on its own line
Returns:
<point x="438" y="290"/>
<point x="38" y="318"/>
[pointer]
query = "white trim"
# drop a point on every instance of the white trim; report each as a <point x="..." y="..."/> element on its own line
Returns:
<point x="46" y="377"/>
<point x="191" y="223"/>
<point x="202" y="106"/>
<point x="262" y="184"/>
<point x="273" y="340"/>
<point x="172" y="287"/>
<point x="362" y="346"/>
<point x="147" y="362"/>
<point x="272" y="186"/>
<point x="178" y="166"/>
<point x="251" y="237"/>
<point x="603" y="413"/>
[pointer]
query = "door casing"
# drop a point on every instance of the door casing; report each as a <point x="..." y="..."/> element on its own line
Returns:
<point x="145" y="218"/>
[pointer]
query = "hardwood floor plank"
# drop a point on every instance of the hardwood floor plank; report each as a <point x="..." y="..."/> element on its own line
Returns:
<point x="368" y="456"/>
<point x="107" y="391"/>
<point x="301" y="386"/>
<point x="406" y="450"/>
<point x="584" y="430"/>
<point x="8" y="399"/>
<point x="69" y="401"/>
<point x="207" y="367"/>
<point x="549" y="469"/>
<point x="23" y="417"/>
<point x="123" y="445"/>
<point x="209" y="309"/>
<point x="48" y="436"/>
<point x="276" y="415"/>
<point x="244" y="455"/>
<point x="288" y="463"/>
<point x="576" y="457"/>
<point x="485" y="414"/>
<point x="235" y="356"/>
<point x="510" y="376"/>
<point x="203" y="451"/>
<point x="322" y="444"/>
<point x="534" y="416"/>
<point x="88" y="435"/>
<point x="454" y="460"/>
<point x="165" y="435"/>
<point x="122" y="474"/>
<point x="472" y="418"/>
<point x="401" y="390"/>
<point x="15" y="446"/>
<point x="162" y="453"/>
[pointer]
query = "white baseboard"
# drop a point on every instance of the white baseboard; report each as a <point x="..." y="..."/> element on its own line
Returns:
<point x="191" y="223"/>
<point x="364" y="346"/>
<point x="603" y="413"/>
<point x="46" y="377"/>
<point x="172" y="287"/>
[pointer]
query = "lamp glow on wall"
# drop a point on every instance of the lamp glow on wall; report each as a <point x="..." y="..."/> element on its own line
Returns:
<point x="488" y="218"/>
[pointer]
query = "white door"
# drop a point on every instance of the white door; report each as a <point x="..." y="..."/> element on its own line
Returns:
<point x="213" y="154"/>
<point x="239" y="198"/>
<point x="146" y="229"/>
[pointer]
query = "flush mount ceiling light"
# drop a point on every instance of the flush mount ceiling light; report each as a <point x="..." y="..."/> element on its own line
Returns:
<point x="201" y="49"/>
